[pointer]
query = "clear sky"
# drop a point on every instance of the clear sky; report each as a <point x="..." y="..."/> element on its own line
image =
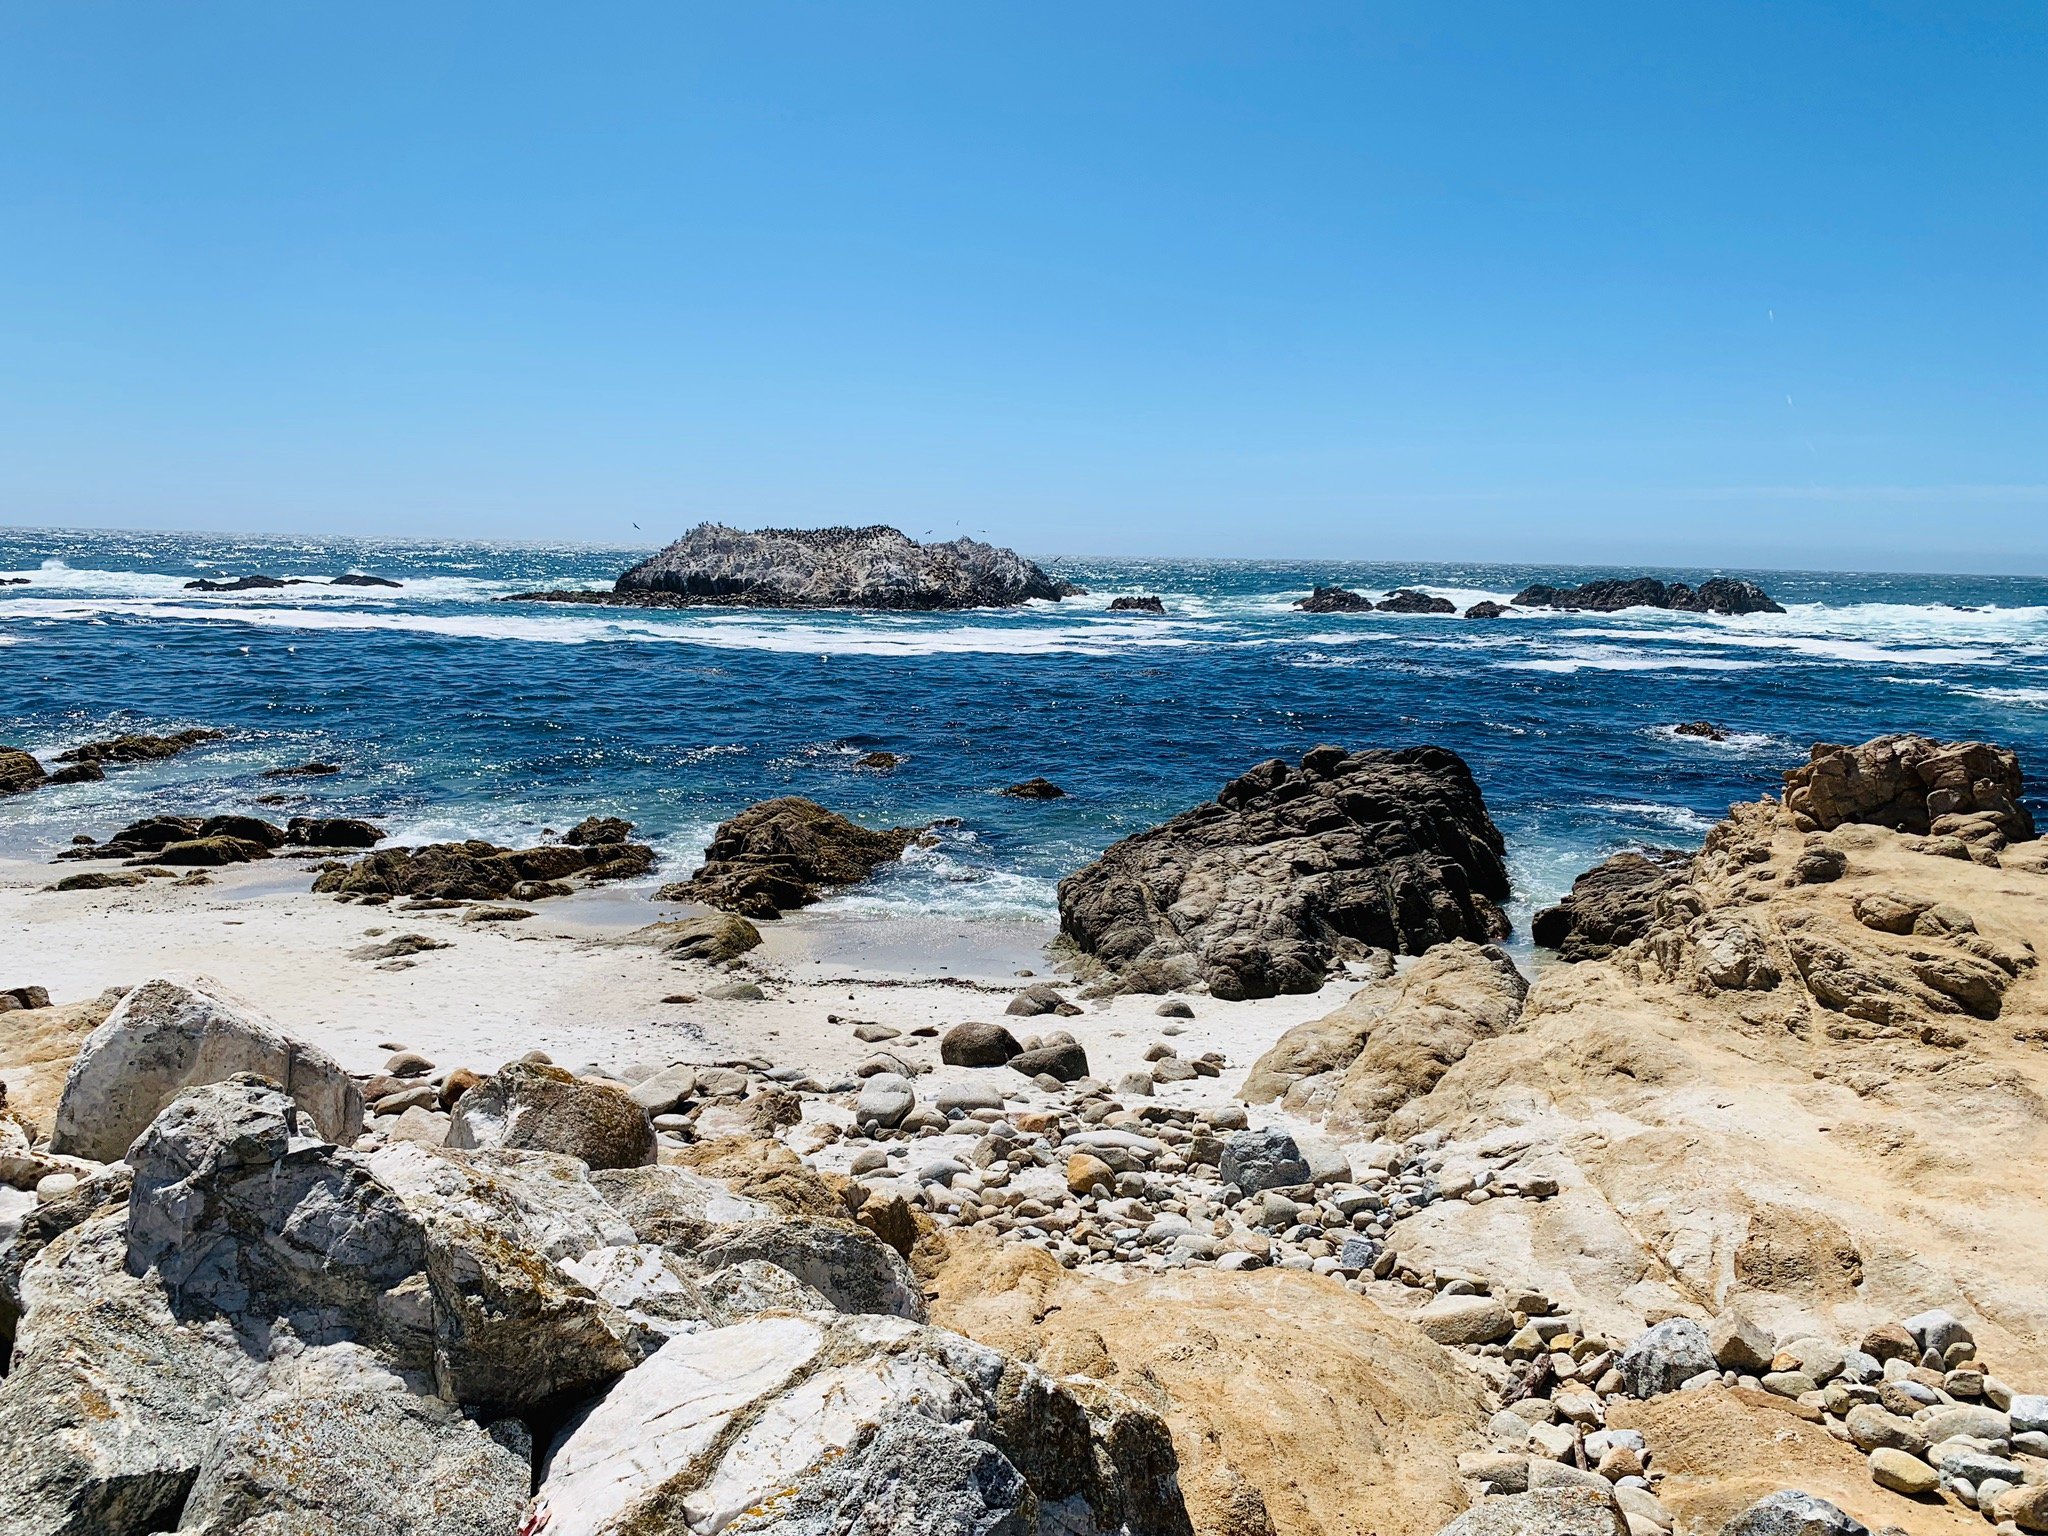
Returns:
<point x="1743" y="284"/>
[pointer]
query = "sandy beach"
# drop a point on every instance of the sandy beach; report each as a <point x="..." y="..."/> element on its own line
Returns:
<point x="574" y="981"/>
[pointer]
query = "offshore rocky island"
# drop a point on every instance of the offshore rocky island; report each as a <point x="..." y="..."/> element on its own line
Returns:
<point x="1726" y="1220"/>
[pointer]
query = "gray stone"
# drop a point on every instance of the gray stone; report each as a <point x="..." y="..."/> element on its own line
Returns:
<point x="1260" y="1160"/>
<point x="816" y="1425"/>
<point x="1822" y="1359"/>
<point x="112" y="1402"/>
<point x="1902" y="1473"/>
<point x="1977" y="1423"/>
<point x="1871" y="1427"/>
<point x="848" y="1265"/>
<point x="1546" y="1512"/>
<point x="1792" y="1513"/>
<point x="1665" y="1357"/>
<point x="164" y="1037"/>
<point x="961" y="1098"/>
<point x="331" y="1441"/>
<point x="1065" y="1060"/>
<point x="975" y="1044"/>
<point x="885" y="1099"/>
<point x="531" y="1107"/>
<point x="2028" y="1413"/>
<point x="1740" y="1345"/>
<point x="1936" y="1330"/>
<point x="666" y="1090"/>
<point x="673" y="1207"/>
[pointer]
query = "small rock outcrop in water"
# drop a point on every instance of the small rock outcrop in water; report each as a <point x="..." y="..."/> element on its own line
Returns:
<point x="823" y="568"/>
<point x="308" y="770"/>
<point x="1290" y="869"/>
<point x="1035" y="789"/>
<point x="352" y="579"/>
<point x="1485" y="610"/>
<point x="1611" y="904"/>
<point x="1334" y="600"/>
<point x="139" y="749"/>
<point x="1705" y="730"/>
<point x="1717" y="594"/>
<point x="786" y="853"/>
<point x="1137" y="605"/>
<point x="248" y="583"/>
<point x="1408" y="600"/>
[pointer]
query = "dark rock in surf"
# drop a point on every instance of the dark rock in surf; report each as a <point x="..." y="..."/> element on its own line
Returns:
<point x="139" y="749"/>
<point x="332" y="832"/>
<point x="1334" y="600"/>
<point x="1408" y="600"/>
<point x="1289" y="870"/>
<point x="880" y="762"/>
<point x="786" y="853"/>
<point x="1137" y="605"/>
<point x="1718" y="594"/>
<point x="19" y="772"/>
<point x="1485" y="610"/>
<point x="353" y="580"/>
<point x="1706" y="730"/>
<point x="312" y="770"/>
<point x="599" y="832"/>
<point x="249" y="583"/>
<point x="1035" y="789"/>
<point x="876" y="567"/>
<point x="1612" y="904"/>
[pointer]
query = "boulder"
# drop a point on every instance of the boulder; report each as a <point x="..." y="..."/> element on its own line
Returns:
<point x="1573" y="1511"/>
<point x="674" y="1207"/>
<point x="1612" y="904"/>
<point x="812" y="1424"/>
<point x="1486" y="610"/>
<point x="885" y="1098"/>
<point x="1408" y="600"/>
<point x="112" y="1402"/>
<point x="545" y="1109"/>
<point x="19" y="772"/>
<point x="714" y="937"/>
<point x="1739" y="1345"/>
<point x="1334" y="600"/>
<point x="1718" y="594"/>
<point x="1137" y="605"/>
<point x="1290" y="869"/>
<point x="845" y="1263"/>
<point x="1262" y="1160"/>
<point x="165" y="1037"/>
<point x="598" y="832"/>
<point x="786" y="853"/>
<point x="332" y="832"/>
<point x="1063" y="1059"/>
<point x="1792" y="1513"/>
<point x="334" y="1442"/>
<point x="975" y="1044"/>
<point x="1908" y="782"/>
<point x="1466" y="1320"/>
<point x="1665" y="1357"/>
<point x="666" y="1090"/>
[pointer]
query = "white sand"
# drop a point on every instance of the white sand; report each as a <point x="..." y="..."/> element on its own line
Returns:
<point x="572" y="982"/>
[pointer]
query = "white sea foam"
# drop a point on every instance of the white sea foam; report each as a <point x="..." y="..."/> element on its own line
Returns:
<point x="1680" y="816"/>
<point x="1608" y="658"/>
<point x="1732" y="741"/>
<point x="2036" y="697"/>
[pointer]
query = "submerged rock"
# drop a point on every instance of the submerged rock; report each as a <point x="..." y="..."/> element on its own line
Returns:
<point x="1612" y="904"/>
<point x="873" y="567"/>
<point x="786" y="853"/>
<point x="1035" y="789"/>
<point x="1717" y="594"/>
<point x="1290" y="869"/>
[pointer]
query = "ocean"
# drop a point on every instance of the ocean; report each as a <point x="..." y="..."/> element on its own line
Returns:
<point x="453" y="715"/>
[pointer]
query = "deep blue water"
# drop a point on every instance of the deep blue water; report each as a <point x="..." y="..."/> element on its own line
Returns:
<point x="455" y="715"/>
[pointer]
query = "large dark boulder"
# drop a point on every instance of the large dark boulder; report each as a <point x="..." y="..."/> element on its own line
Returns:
<point x="1717" y="594"/>
<point x="1612" y="904"/>
<point x="1290" y="869"/>
<point x="19" y="771"/>
<point x="786" y="853"/>
<point x="824" y="568"/>
<point x="1137" y="605"/>
<point x="1408" y="600"/>
<point x="1334" y="600"/>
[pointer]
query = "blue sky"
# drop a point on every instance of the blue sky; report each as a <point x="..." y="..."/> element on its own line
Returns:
<point x="1745" y="284"/>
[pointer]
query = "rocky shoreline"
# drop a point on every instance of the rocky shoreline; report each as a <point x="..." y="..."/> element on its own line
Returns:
<point x="1725" y="1221"/>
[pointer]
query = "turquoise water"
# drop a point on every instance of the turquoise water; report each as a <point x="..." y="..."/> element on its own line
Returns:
<point x="454" y="715"/>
